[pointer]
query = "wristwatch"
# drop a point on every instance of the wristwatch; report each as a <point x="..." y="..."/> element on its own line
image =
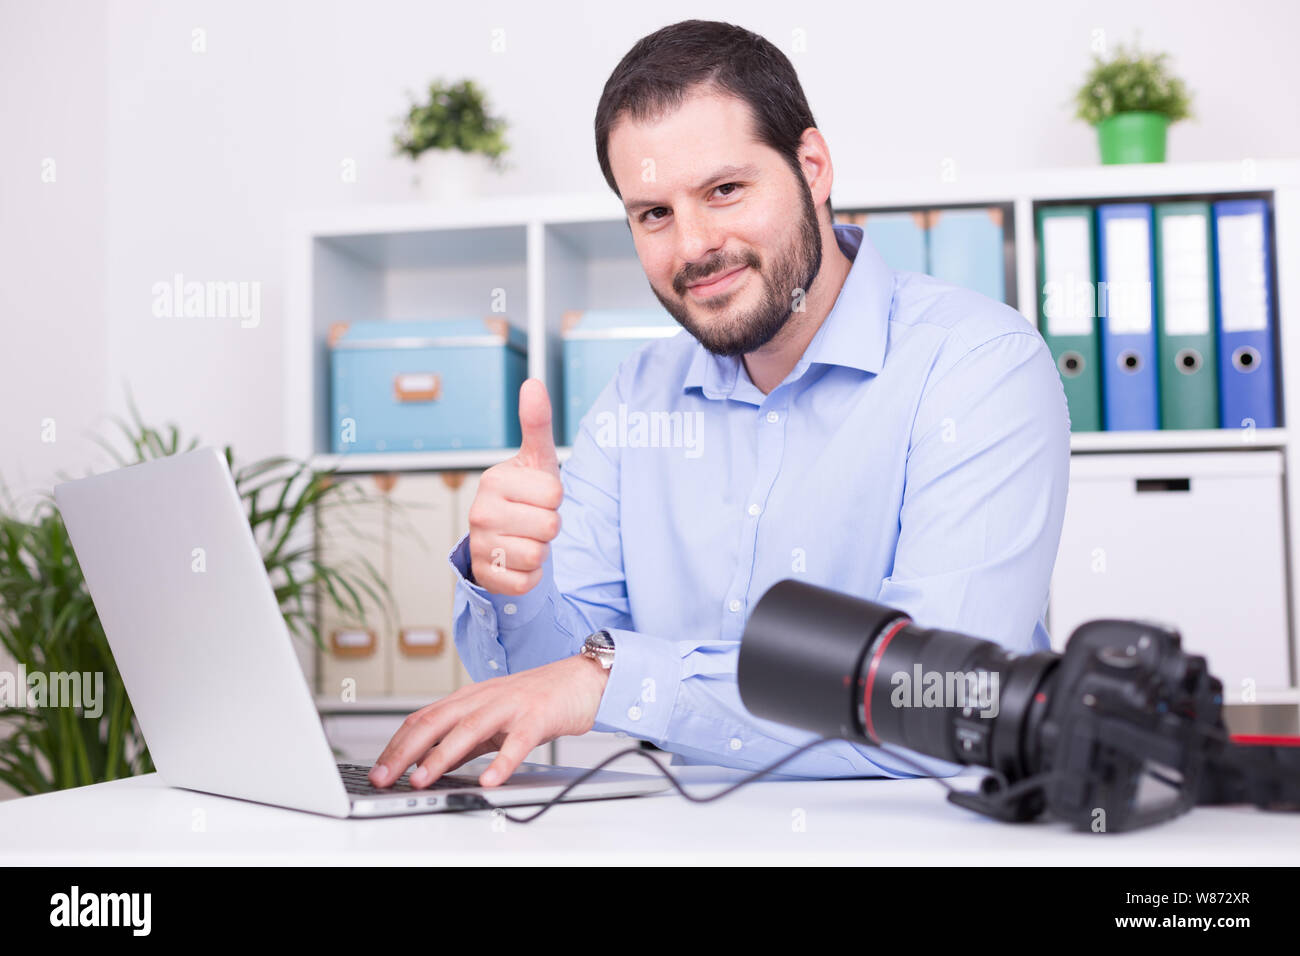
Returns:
<point x="600" y="647"/>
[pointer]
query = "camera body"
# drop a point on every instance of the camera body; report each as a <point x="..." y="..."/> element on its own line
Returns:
<point x="1129" y="725"/>
<point x="1115" y="733"/>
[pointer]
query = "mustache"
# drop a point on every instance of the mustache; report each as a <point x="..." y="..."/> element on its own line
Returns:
<point x="685" y="281"/>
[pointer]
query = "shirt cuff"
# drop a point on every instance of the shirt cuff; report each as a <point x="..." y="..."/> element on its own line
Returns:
<point x="642" y="686"/>
<point x="508" y="611"/>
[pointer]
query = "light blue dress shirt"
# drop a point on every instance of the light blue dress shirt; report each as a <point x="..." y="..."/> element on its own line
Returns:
<point x="916" y="456"/>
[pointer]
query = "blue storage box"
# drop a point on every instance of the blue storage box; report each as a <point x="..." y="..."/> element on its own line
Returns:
<point x="596" y="341"/>
<point x="899" y="237"/>
<point x="425" y="385"/>
<point x="966" y="249"/>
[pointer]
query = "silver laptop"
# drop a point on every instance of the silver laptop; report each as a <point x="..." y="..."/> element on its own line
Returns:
<point x="207" y="657"/>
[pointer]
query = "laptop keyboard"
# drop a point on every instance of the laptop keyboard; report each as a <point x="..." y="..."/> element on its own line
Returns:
<point x="356" y="780"/>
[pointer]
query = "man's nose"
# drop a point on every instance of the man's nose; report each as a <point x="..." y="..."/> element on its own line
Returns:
<point x="698" y="240"/>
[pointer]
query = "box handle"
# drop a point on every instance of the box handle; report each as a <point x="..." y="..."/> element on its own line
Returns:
<point x="417" y="386"/>
<point x="352" y="642"/>
<point x="1163" y="484"/>
<point x="421" y="641"/>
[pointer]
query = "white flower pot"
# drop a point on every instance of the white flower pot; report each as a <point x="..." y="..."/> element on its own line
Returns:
<point x="444" y="174"/>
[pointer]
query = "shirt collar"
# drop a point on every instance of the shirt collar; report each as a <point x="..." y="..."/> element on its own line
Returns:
<point x="853" y="334"/>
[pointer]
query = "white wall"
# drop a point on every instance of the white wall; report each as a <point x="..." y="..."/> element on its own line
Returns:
<point x="53" y="236"/>
<point x="175" y="161"/>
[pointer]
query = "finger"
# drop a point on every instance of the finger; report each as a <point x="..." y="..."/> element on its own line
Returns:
<point x="510" y="552"/>
<point x="527" y="486"/>
<point x="473" y="729"/>
<point x="486" y="747"/>
<point x="419" y="732"/>
<point x="498" y="579"/>
<point x="516" y="748"/>
<point x="537" y="449"/>
<point x="527" y="520"/>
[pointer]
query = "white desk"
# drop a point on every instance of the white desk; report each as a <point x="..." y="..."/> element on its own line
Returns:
<point x="877" y="822"/>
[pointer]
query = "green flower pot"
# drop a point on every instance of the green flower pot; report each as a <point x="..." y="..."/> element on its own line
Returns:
<point x="1133" y="137"/>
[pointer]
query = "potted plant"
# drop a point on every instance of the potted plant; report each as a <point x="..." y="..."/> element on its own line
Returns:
<point x="1131" y="99"/>
<point x="451" y="138"/>
<point x="48" y="622"/>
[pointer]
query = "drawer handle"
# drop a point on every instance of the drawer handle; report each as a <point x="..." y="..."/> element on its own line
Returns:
<point x="352" y="643"/>
<point x="1164" y="484"/>
<point x="421" y="641"/>
<point x="417" y="387"/>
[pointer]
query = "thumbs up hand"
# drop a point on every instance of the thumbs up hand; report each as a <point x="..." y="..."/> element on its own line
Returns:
<point x="538" y="447"/>
<point x="515" y="514"/>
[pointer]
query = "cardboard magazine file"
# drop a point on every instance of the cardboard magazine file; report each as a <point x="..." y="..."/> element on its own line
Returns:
<point x="351" y="532"/>
<point x="464" y="498"/>
<point x="422" y="516"/>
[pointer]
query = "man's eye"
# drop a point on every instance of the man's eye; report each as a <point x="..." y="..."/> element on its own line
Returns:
<point x="645" y="215"/>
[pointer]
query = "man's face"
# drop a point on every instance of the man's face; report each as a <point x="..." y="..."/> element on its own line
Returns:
<point x="705" y="199"/>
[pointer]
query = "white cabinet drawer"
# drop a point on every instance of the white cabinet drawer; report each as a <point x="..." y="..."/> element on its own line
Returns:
<point x="1194" y="540"/>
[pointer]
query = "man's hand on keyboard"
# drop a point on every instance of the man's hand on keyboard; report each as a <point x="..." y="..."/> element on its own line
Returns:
<point x="510" y="715"/>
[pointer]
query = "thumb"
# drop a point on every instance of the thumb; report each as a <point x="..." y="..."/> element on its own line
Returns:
<point x="538" y="447"/>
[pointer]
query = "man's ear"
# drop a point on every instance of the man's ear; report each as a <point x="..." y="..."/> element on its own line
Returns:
<point x="815" y="149"/>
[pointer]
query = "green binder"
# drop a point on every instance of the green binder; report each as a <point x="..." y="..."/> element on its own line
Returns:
<point x="1185" y="327"/>
<point x="1067" y="308"/>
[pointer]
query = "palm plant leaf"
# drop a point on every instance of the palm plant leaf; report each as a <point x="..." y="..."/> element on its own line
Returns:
<point x="48" y="622"/>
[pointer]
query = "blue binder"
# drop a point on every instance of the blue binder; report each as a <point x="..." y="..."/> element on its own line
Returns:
<point x="1247" y="366"/>
<point x="965" y="248"/>
<point x="899" y="237"/>
<point x="1126" y="304"/>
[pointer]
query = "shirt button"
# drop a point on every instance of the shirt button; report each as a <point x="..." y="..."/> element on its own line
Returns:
<point x="734" y="605"/>
<point x="510" y="609"/>
<point x="494" y="665"/>
<point x="479" y="611"/>
<point x="754" y="509"/>
<point x="735" y="743"/>
<point x="773" y="417"/>
<point x="634" y="712"/>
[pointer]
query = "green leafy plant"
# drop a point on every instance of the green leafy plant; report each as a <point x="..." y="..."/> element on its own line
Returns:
<point x="1129" y="81"/>
<point x="453" y="117"/>
<point x="48" y="621"/>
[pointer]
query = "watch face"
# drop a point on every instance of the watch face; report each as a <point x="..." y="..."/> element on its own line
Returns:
<point x="600" y="647"/>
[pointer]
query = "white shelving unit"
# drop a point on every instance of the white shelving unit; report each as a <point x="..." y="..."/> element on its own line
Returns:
<point x="1180" y="440"/>
<point x="550" y="253"/>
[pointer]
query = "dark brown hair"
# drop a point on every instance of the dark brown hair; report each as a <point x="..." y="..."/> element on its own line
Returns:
<point x="661" y="69"/>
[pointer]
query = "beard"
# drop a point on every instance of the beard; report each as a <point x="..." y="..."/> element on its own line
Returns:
<point x="731" y="331"/>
